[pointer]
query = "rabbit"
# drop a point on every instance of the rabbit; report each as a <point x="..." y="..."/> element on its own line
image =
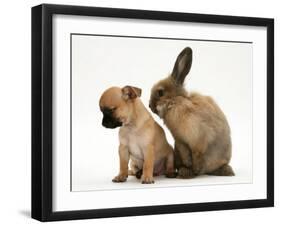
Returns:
<point x="197" y="124"/>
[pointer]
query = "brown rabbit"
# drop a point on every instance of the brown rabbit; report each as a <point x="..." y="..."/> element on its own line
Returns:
<point x="199" y="127"/>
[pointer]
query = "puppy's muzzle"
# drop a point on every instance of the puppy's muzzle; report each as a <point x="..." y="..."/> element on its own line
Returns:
<point x="109" y="121"/>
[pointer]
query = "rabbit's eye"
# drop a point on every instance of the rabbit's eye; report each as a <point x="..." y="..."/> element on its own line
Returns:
<point x="160" y="92"/>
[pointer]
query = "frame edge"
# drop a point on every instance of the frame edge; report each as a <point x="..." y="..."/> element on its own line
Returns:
<point x="41" y="208"/>
<point x="41" y="73"/>
<point x="270" y="112"/>
<point x="36" y="81"/>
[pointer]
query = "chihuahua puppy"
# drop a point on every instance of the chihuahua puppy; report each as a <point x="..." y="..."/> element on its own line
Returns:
<point x="142" y="140"/>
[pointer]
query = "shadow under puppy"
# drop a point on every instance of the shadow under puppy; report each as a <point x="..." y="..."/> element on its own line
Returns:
<point x="142" y="140"/>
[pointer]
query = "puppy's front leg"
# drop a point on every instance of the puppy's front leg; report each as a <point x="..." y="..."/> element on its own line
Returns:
<point x="124" y="160"/>
<point x="148" y="165"/>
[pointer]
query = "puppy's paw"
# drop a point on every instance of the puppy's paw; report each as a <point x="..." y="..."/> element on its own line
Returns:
<point x="147" y="180"/>
<point x="138" y="174"/>
<point x="185" y="173"/>
<point x="119" y="178"/>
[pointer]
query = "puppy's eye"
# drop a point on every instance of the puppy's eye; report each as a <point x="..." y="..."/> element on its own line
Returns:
<point x="113" y="109"/>
<point x="160" y="92"/>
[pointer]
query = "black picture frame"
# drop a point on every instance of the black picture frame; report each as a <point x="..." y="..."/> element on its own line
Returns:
<point x="42" y="111"/>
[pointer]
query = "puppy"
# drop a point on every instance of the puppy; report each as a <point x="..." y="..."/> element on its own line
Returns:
<point x="142" y="140"/>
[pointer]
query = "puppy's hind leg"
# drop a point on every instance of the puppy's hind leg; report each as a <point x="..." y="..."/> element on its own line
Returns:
<point x="170" y="169"/>
<point x="135" y="169"/>
<point x="225" y="170"/>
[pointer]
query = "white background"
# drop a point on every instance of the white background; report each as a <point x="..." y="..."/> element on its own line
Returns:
<point x="222" y="70"/>
<point x="15" y="113"/>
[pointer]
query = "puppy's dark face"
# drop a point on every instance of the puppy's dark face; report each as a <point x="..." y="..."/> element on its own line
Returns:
<point x="116" y="105"/>
<point x="109" y="120"/>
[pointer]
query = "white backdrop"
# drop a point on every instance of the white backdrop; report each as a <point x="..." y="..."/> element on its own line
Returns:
<point x="222" y="70"/>
<point x="15" y="111"/>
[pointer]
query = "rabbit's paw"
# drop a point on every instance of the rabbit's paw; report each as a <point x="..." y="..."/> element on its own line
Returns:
<point x="185" y="173"/>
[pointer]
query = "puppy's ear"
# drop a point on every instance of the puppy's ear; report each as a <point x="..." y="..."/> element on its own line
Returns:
<point x="182" y="65"/>
<point x="130" y="92"/>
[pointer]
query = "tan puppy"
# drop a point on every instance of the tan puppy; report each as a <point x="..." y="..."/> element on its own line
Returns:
<point x="142" y="140"/>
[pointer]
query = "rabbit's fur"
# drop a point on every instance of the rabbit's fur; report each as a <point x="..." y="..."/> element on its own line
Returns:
<point x="199" y="127"/>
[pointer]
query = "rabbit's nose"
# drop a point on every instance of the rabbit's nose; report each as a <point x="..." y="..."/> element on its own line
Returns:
<point x="152" y="107"/>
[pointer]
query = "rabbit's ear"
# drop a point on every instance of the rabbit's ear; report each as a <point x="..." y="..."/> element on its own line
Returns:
<point x="182" y="65"/>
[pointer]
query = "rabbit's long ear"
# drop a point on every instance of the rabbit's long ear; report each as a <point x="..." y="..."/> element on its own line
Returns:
<point x="182" y="65"/>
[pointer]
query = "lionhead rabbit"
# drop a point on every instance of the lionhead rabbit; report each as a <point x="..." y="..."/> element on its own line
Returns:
<point x="199" y="127"/>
